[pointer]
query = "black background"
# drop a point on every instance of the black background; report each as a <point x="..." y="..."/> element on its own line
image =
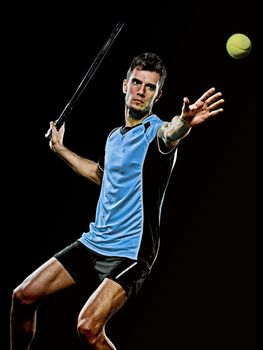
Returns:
<point x="202" y="290"/>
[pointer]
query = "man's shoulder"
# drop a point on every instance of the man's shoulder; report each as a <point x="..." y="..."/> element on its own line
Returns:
<point x="153" y="123"/>
<point x="113" y="130"/>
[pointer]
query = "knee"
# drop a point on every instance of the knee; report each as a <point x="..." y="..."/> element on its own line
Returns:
<point x="89" y="330"/>
<point x="22" y="296"/>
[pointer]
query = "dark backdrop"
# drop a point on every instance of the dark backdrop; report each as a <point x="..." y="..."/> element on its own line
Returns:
<point x="202" y="290"/>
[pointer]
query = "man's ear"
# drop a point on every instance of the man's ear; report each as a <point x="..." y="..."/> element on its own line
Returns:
<point x="158" y="96"/>
<point x="124" y="86"/>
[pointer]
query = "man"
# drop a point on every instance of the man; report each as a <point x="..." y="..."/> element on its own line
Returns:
<point x="122" y="243"/>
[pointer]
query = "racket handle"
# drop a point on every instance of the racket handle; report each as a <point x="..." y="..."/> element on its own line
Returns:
<point x="63" y="116"/>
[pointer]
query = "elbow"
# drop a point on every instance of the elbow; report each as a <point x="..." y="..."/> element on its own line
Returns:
<point x="97" y="181"/>
<point x="97" y="176"/>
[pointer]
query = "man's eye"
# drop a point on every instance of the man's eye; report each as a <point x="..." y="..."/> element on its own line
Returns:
<point x="136" y="82"/>
<point x="151" y="87"/>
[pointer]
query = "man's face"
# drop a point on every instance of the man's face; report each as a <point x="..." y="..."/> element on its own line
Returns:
<point x="142" y="90"/>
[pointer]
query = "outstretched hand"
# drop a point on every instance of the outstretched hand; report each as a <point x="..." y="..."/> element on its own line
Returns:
<point x="207" y="106"/>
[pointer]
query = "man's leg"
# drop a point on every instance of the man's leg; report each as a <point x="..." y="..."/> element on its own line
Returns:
<point x="108" y="298"/>
<point x="47" y="279"/>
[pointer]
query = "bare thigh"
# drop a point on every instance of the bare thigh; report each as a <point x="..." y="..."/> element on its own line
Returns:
<point x="47" y="279"/>
<point x="107" y="299"/>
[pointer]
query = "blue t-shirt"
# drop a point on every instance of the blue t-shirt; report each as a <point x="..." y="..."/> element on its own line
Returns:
<point x="135" y="176"/>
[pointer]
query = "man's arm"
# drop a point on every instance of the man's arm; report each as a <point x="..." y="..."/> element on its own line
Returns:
<point x="171" y="133"/>
<point x="207" y="106"/>
<point x="80" y="165"/>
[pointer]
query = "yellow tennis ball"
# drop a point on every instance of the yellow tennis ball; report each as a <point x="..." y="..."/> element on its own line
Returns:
<point x="238" y="45"/>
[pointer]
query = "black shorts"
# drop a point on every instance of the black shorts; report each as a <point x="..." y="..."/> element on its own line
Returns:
<point x="86" y="266"/>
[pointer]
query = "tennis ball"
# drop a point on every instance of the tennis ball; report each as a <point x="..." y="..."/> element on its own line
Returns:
<point x="238" y="45"/>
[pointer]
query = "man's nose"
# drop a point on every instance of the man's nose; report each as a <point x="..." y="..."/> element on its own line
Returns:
<point x="141" y="91"/>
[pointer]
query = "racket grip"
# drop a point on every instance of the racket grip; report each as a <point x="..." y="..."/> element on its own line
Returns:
<point x="63" y="116"/>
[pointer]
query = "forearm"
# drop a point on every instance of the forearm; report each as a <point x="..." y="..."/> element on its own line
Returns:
<point x="174" y="131"/>
<point x="80" y="165"/>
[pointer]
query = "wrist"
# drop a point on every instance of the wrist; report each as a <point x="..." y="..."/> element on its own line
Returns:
<point x="57" y="147"/>
<point x="185" y="122"/>
<point x="179" y="130"/>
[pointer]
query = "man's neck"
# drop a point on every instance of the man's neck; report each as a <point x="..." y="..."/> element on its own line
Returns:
<point x="130" y="121"/>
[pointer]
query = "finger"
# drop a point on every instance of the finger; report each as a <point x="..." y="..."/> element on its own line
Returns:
<point x="207" y="94"/>
<point x="48" y="134"/>
<point x="51" y="128"/>
<point x="213" y="98"/>
<point x="216" y="104"/>
<point x="215" y="112"/>
<point x="186" y="104"/>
